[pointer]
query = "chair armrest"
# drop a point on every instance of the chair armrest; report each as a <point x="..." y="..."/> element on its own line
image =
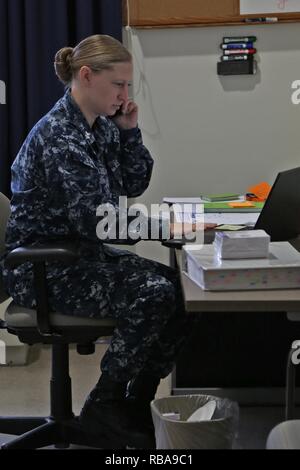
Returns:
<point x="38" y="255"/>
<point x="56" y="251"/>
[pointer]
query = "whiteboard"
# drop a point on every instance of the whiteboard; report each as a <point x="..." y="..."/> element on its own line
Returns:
<point x="251" y="7"/>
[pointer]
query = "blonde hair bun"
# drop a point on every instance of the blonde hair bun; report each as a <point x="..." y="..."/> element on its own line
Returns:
<point x="63" y="64"/>
<point x="99" y="52"/>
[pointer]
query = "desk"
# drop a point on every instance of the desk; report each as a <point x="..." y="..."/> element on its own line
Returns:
<point x="198" y="300"/>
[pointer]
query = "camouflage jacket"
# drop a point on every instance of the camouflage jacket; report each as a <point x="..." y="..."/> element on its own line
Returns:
<point x="65" y="170"/>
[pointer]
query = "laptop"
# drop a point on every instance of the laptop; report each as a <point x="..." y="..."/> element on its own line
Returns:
<point x="280" y="216"/>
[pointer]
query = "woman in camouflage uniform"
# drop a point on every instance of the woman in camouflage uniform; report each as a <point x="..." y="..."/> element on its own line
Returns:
<point x="73" y="160"/>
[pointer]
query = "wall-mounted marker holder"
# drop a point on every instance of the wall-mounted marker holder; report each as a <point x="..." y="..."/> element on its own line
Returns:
<point x="238" y="56"/>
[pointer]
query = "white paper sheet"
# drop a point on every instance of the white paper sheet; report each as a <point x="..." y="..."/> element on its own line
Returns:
<point x="252" y="7"/>
<point x="194" y="200"/>
<point x="245" y="218"/>
<point x="189" y="217"/>
<point x="183" y="200"/>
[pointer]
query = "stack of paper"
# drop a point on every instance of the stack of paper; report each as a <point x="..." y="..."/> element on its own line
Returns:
<point x="280" y="270"/>
<point x="246" y="244"/>
<point x="230" y="207"/>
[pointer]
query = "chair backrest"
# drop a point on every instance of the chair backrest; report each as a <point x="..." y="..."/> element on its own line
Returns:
<point x="4" y="215"/>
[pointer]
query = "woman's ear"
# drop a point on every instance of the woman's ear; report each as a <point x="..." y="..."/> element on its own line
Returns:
<point x="85" y="75"/>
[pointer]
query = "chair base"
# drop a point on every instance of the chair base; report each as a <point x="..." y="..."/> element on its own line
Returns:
<point x="36" y="433"/>
<point x="61" y="428"/>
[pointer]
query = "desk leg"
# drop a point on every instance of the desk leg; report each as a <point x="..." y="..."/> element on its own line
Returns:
<point x="173" y="264"/>
<point x="172" y="258"/>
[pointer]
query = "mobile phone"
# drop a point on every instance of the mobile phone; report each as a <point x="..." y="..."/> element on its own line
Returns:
<point x="119" y="112"/>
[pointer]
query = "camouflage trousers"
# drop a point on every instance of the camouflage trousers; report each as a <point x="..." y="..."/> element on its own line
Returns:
<point x="144" y="297"/>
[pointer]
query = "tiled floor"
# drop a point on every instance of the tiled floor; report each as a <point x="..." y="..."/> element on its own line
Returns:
<point x="24" y="390"/>
<point x="256" y="423"/>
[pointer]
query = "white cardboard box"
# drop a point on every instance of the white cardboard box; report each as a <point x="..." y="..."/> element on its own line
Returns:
<point x="244" y="244"/>
<point x="12" y="351"/>
<point x="280" y="270"/>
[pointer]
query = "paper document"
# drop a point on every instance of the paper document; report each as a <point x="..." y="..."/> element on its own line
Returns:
<point x="253" y="7"/>
<point x="183" y="200"/>
<point x="189" y="217"/>
<point x="219" y="218"/>
<point x="195" y="200"/>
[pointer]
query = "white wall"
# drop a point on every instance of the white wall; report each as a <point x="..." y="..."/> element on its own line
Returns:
<point x="209" y="133"/>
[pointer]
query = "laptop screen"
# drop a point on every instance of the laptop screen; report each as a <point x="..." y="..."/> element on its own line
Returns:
<point x="280" y="216"/>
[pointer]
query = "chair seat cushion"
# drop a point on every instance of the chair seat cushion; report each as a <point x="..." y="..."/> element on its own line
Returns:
<point x="16" y="316"/>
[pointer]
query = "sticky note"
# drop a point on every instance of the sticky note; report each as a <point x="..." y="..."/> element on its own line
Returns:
<point x="241" y="204"/>
<point x="230" y="227"/>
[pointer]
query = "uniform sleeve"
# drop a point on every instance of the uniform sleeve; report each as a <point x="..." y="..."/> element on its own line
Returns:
<point x="85" y="195"/>
<point x="75" y="185"/>
<point x="136" y="162"/>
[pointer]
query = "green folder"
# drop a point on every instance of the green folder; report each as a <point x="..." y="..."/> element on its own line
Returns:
<point x="220" y="197"/>
<point x="224" y="207"/>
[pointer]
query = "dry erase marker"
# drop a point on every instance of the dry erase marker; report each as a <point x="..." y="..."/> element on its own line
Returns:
<point x="238" y="45"/>
<point x="239" y="51"/>
<point x="271" y="19"/>
<point x="229" y="58"/>
<point x="233" y="39"/>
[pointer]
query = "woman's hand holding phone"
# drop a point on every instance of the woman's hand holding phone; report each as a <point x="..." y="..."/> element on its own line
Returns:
<point x="127" y="116"/>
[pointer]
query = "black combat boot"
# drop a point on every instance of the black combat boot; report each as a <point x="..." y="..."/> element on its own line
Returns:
<point x="109" y="419"/>
<point x="140" y="392"/>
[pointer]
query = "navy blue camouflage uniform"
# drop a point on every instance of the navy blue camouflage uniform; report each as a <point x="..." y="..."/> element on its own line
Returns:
<point x="63" y="172"/>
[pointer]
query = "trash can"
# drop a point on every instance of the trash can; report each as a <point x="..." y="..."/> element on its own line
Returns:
<point x="195" y="422"/>
<point x="12" y="351"/>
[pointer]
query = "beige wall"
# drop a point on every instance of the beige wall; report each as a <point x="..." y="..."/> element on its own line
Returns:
<point x="209" y="133"/>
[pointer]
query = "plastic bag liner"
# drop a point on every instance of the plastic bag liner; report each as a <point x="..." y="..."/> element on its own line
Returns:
<point x="217" y="433"/>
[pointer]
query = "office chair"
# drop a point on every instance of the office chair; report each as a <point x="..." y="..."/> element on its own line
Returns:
<point x="61" y="428"/>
